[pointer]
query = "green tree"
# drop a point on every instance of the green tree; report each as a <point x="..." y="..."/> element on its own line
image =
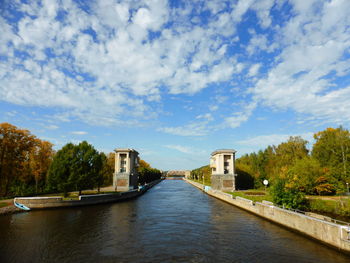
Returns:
<point x="332" y="150"/>
<point x="75" y="167"/>
<point x="86" y="167"/>
<point x="304" y="174"/>
<point x="287" y="195"/>
<point x="147" y="175"/>
<point x="256" y="166"/>
<point x="287" y="153"/>
<point x="60" y="170"/>
<point x="202" y="173"/>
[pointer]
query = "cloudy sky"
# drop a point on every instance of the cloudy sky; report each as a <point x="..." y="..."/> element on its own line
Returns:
<point x="175" y="79"/>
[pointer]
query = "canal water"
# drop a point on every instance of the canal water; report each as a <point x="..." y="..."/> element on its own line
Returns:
<point x="172" y="222"/>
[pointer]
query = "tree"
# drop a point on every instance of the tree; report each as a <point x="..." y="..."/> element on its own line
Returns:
<point x="85" y="172"/>
<point x="287" y="195"/>
<point x="75" y="167"/>
<point x="323" y="187"/>
<point x="332" y="150"/>
<point x="40" y="160"/>
<point x="144" y="164"/>
<point x="289" y="152"/>
<point x="108" y="164"/>
<point x="60" y="170"/>
<point x="258" y="166"/>
<point x="304" y="174"/>
<point x="202" y="173"/>
<point x="15" y="146"/>
<point x="147" y="174"/>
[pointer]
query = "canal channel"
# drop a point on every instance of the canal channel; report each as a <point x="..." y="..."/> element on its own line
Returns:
<point x="172" y="222"/>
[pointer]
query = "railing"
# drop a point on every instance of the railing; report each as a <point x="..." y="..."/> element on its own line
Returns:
<point x="325" y="218"/>
<point x="329" y="219"/>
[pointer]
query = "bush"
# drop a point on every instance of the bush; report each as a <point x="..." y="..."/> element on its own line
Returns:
<point x="287" y="196"/>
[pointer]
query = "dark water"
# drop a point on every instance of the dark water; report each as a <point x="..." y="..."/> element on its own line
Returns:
<point x="173" y="222"/>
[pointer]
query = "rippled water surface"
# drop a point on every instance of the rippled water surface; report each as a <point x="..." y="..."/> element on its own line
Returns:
<point x="172" y="222"/>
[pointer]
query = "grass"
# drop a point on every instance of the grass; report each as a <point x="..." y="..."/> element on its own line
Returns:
<point x="338" y="208"/>
<point x="3" y="204"/>
<point x="207" y="183"/>
<point x="253" y="194"/>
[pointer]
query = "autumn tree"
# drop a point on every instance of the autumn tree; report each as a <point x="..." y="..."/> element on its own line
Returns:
<point x="15" y="148"/>
<point x="41" y="157"/>
<point x="144" y="164"/>
<point x="146" y="173"/>
<point x="108" y="166"/>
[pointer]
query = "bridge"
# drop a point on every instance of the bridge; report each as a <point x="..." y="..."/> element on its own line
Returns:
<point x="177" y="174"/>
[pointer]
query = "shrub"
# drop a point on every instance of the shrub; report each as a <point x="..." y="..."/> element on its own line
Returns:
<point x="289" y="197"/>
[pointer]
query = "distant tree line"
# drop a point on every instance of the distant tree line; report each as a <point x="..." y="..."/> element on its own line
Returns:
<point x="147" y="174"/>
<point x="293" y="171"/>
<point x="202" y="174"/>
<point x="30" y="166"/>
<point x="324" y="170"/>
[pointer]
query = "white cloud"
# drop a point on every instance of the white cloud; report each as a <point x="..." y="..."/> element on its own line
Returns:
<point x="186" y="150"/>
<point x="192" y="129"/>
<point x="206" y="116"/>
<point x="213" y="107"/>
<point x="262" y="141"/>
<point x="11" y="113"/>
<point x="254" y="70"/>
<point x="79" y="132"/>
<point x="180" y="148"/>
<point x="239" y="117"/>
<point x="133" y="59"/>
<point x="51" y="127"/>
<point x="315" y="43"/>
<point x="124" y="67"/>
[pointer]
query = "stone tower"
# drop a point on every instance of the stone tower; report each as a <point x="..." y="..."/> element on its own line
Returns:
<point x="125" y="177"/>
<point x="222" y="164"/>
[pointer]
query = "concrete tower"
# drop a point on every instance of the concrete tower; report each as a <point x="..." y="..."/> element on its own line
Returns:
<point x="222" y="164"/>
<point x="125" y="176"/>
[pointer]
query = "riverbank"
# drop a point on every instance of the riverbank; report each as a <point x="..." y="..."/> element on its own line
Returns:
<point x="83" y="200"/>
<point x="329" y="233"/>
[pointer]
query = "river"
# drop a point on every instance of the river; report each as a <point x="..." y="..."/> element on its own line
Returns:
<point x="172" y="222"/>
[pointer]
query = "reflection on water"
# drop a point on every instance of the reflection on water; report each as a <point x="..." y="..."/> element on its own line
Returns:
<point x="173" y="222"/>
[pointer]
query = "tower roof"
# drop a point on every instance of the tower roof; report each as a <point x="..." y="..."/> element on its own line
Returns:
<point x="125" y="150"/>
<point x="231" y="151"/>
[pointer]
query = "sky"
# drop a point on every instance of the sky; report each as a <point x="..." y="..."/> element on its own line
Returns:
<point x="175" y="80"/>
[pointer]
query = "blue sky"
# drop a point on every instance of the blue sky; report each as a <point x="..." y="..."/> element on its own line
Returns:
<point x="175" y="79"/>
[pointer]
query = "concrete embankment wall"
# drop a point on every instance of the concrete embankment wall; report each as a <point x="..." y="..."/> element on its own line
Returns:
<point x="329" y="233"/>
<point x="55" y="202"/>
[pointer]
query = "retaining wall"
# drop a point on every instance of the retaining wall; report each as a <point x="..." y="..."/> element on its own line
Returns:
<point x="55" y="202"/>
<point x="329" y="233"/>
